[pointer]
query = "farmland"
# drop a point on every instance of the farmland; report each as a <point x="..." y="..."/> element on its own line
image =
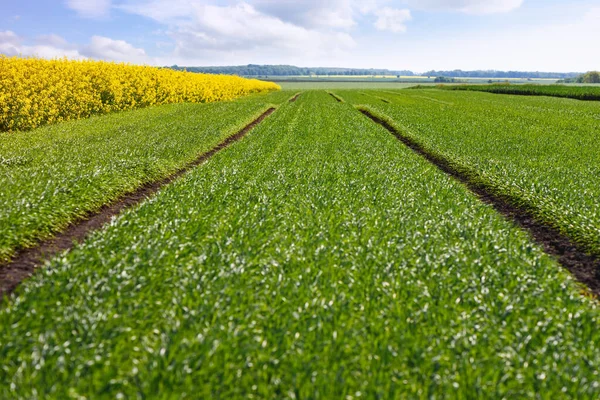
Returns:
<point x="566" y="91"/>
<point x="36" y="92"/>
<point x="333" y="84"/>
<point x="74" y="169"/>
<point x="537" y="152"/>
<point x="318" y="257"/>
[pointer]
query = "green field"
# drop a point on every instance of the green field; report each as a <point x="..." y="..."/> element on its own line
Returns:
<point x="541" y="153"/>
<point x="57" y="174"/>
<point x="319" y="257"/>
<point x="583" y="92"/>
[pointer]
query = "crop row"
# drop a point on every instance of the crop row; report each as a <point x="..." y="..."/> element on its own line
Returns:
<point x="317" y="258"/>
<point x="539" y="153"/>
<point x="56" y="174"/>
<point x="36" y="92"/>
<point x="573" y="92"/>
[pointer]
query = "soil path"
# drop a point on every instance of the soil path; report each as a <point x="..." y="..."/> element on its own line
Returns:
<point x="336" y="97"/>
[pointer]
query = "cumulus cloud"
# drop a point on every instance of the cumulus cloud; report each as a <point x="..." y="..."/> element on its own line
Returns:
<point x="393" y="20"/>
<point x="103" y="48"/>
<point x="467" y="6"/>
<point x="12" y="44"/>
<point x="54" y="46"/>
<point x="52" y="40"/>
<point x="209" y="31"/>
<point x="90" y="8"/>
<point x="311" y="13"/>
<point x="168" y="12"/>
<point x="9" y="43"/>
<point x="248" y="29"/>
<point x="202" y="31"/>
<point x="524" y="48"/>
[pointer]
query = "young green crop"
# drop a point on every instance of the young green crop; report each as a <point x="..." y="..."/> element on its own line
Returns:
<point x="541" y="153"/>
<point x="316" y="258"/>
<point x="573" y="92"/>
<point x="53" y="175"/>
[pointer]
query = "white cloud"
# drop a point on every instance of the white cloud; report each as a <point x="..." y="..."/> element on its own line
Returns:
<point x="54" y="46"/>
<point x="49" y="52"/>
<point x="467" y="6"/>
<point x="524" y="48"/>
<point x="311" y="13"/>
<point x="90" y="8"/>
<point x="162" y="11"/>
<point x="393" y="20"/>
<point x="9" y="39"/>
<point x="243" y="32"/>
<point x="257" y="30"/>
<point x="538" y="47"/>
<point x="103" y="48"/>
<point x="52" y="40"/>
<point x="13" y="45"/>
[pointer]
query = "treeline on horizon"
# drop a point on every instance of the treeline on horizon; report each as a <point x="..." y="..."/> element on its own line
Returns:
<point x="253" y="70"/>
<point x="457" y="73"/>
<point x="289" y="70"/>
<point x="588" y="77"/>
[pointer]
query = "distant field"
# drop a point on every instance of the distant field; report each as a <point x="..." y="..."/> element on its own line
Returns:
<point x="579" y="92"/>
<point x="289" y="85"/>
<point x="382" y="78"/>
<point x="512" y="80"/>
<point x="321" y="81"/>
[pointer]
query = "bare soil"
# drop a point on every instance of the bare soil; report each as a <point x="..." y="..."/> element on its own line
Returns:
<point x="338" y="99"/>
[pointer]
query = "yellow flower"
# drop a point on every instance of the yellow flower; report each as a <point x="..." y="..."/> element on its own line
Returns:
<point x="35" y="92"/>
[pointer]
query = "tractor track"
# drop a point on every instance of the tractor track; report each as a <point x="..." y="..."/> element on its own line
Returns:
<point x="26" y="261"/>
<point x="583" y="266"/>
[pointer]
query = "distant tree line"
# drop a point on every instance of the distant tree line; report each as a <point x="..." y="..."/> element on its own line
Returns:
<point x="253" y="70"/>
<point x="289" y="70"/>
<point x="502" y="74"/>
<point x="588" y="77"/>
<point x="444" y="79"/>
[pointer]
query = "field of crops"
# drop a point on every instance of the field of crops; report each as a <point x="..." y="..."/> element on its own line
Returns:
<point x="566" y="91"/>
<point x="54" y="175"/>
<point x="310" y="85"/>
<point x="36" y="92"/>
<point x="318" y="257"/>
<point x="540" y="153"/>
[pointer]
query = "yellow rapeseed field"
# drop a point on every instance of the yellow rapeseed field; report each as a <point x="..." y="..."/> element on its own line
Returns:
<point x="36" y="92"/>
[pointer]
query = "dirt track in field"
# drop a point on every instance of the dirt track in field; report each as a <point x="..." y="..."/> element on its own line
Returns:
<point x="25" y="262"/>
<point x="337" y="98"/>
<point x="583" y="266"/>
<point x="293" y="99"/>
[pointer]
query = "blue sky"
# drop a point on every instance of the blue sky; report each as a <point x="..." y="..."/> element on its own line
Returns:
<point x="532" y="35"/>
